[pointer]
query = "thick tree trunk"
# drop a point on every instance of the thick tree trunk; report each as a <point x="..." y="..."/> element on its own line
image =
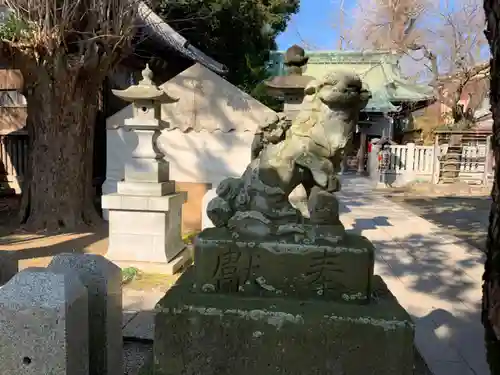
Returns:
<point x="491" y="277"/>
<point x="61" y="114"/>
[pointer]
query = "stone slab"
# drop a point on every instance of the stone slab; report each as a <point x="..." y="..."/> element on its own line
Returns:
<point x="117" y="201"/>
<point x="127" y="317"/>
<point x="152" y="171"/>
<point x="141" y="326"/>
<point x="341" y="271"/>
<point x="44" y="324"/>
<point x="221" y="334"/>
<point x="103" y="280"/>
<point x="142" y="300"/>
<point x="148" y="189"/>
<point x="184" y="258"/>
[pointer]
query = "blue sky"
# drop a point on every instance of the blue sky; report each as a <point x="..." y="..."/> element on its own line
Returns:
<point x="314" y="25"/>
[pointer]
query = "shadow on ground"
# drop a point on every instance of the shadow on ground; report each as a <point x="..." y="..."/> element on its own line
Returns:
<point x="464" y="217"/>
<point x="438" y="273"/>
<point x="36" y="250"/>
<point x="450" y="286"/>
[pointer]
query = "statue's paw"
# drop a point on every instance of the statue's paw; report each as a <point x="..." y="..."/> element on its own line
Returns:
<point x="250" y="223"/>
<point x="219" y="212"/>
<point x="291" y="228"/>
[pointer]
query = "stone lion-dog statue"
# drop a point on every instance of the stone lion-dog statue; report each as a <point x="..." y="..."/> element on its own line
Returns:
<point x="256" y="204"/>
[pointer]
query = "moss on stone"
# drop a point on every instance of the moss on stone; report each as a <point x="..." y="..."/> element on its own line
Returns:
<point x="227" y="334"/>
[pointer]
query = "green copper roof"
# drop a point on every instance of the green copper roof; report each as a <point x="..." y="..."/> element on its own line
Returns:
<point x="379" y="71"/>
<point x="380" y="102"/>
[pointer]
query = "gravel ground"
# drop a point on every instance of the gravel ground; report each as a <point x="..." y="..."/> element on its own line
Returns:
<point x="136" y="355"/>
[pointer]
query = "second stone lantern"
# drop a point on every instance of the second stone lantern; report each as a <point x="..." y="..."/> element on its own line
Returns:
<point x="291" y="87"/>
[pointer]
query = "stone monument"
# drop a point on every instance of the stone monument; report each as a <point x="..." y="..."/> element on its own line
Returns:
<point x="44" y="324"/>
<point x="274" y="292"/>
<point x="145" y="213"/>
<point x="102" y="279"/>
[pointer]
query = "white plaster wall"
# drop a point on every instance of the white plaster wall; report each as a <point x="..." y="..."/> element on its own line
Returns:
<point x="194" y="156"/>
<point x="211" y="130"/>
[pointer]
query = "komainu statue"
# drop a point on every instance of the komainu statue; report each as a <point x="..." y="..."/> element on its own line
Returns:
<point x="256" y="204"/>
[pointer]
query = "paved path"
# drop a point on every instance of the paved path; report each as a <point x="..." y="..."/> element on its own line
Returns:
<point x="435" y="276"/>
<point x="465" y="217"/>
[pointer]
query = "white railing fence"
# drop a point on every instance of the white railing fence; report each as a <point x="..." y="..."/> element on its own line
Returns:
<point x="409" y="163"/>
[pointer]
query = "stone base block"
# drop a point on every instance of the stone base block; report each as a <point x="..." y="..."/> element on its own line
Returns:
<point x="122" y="202"/>
<point x="144" y="229"/>
<point x="44" y="324"/>
<point x="217" y="334"/>
<point x="319" y="269"/>
<point x="147" y="189"/>
<point x="103" y="280"/>
<point x="152" y="171"/>
<point x="183" y="259"/>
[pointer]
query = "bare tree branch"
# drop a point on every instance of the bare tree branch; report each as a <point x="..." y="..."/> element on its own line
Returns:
<point x="389" y="24"/>
<point x="448" y="37"/>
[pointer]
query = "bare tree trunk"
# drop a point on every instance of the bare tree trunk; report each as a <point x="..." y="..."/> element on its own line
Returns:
<point x="61" y="113"/>
<point x="491" y="278"/>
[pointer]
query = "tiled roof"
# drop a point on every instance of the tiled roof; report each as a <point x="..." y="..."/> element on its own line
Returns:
<point x="379" y="71"/>
<point x="164" y="33"/>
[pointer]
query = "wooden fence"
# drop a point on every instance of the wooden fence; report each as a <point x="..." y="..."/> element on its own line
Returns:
<point x="14" y="159"/>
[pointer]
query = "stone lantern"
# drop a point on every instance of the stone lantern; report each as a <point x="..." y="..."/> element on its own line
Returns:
<point x="291" y="87"/>
<point x="148" y="173"/>
<point x="145" y="214"/>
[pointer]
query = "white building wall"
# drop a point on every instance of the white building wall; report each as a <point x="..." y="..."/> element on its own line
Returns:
<point x="201" y="157"/>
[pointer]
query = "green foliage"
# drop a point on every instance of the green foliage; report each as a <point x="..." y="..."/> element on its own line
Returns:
<point x="189" y="237"/>
<point x="13" y="28"/>
<point x="237" y="33"/>
<point x="129" y="274"/>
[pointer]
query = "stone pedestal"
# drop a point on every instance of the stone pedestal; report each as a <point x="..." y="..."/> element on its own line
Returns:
<point x="222" y="334"/>
<point x="282" y="306"/>
<point x="285" y="268"/>
<point x="145" y="232"/>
